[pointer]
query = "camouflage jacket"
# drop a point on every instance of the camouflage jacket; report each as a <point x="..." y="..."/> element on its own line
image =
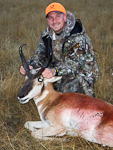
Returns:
<point x="72" y="51"/>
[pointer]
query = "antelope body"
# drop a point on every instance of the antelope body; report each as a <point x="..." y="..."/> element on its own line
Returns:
<point x="66" y="113"/>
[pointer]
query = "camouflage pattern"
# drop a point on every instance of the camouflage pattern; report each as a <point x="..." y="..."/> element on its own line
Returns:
<point x="76" y="62"/>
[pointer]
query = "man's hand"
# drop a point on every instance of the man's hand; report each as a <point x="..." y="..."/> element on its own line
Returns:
<point x="48" y="73"/>
<point x="22" y="70"/>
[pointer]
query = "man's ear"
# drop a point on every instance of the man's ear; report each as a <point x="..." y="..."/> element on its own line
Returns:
<point x="65" y="18"/>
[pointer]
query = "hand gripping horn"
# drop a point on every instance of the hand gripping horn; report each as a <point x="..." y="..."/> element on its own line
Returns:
<point x="45" y="65"/>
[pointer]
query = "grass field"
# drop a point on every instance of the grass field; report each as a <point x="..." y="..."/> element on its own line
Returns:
<point x="22" y="22"/>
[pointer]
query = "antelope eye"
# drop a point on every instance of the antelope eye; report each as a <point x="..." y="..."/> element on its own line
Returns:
<point x="40" y="79"/>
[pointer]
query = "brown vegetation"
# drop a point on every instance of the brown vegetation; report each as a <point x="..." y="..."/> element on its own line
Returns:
<point x="22" y="22"/>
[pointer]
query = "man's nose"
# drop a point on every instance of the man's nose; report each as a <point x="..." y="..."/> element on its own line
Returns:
<point x="54" y="20"/>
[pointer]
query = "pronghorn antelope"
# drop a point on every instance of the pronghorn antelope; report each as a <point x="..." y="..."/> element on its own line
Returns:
<point x="65" y="113"/>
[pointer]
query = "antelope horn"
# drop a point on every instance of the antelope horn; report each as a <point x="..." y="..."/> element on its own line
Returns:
<point x="24" y="62"/>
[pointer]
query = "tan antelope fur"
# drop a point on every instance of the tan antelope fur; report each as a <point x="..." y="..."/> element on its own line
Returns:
<point x="67" y="113"/>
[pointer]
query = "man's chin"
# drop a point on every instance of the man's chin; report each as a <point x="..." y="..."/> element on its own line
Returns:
<point x="57" y="30"/>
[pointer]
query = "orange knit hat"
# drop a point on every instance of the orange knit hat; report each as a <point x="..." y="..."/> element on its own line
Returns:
<point x="55" y="7"/>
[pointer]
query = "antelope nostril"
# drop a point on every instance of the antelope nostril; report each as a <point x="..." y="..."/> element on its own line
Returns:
<point x="20" y="96"/>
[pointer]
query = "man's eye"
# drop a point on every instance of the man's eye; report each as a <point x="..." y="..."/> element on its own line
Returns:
<point x="49" y="17"/>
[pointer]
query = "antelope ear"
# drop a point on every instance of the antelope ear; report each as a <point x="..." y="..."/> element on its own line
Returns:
<point x="26" y="77"/>
<point x="53" y="79"/>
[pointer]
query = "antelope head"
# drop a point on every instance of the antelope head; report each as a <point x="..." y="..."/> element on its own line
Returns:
<point x="34" y="81"/>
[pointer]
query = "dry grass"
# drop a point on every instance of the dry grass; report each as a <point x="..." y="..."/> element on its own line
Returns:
<point x="22" y="22"/>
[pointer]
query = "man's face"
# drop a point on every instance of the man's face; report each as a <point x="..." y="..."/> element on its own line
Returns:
<point x="56" y="21"/>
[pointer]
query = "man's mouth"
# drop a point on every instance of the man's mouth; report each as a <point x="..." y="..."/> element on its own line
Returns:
<point x="55" y="25"/>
